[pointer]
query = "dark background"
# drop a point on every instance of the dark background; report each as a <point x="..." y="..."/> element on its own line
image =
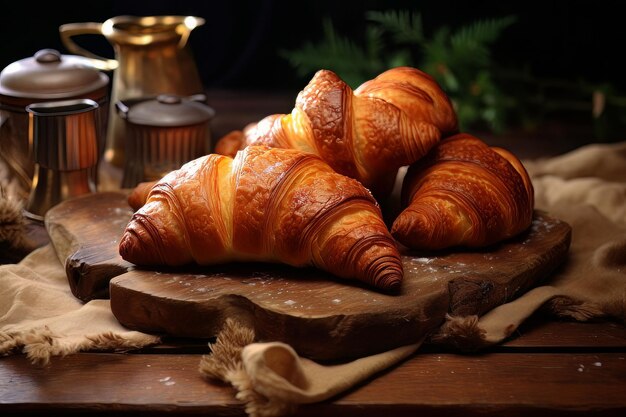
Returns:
<point x="237" y="47"/>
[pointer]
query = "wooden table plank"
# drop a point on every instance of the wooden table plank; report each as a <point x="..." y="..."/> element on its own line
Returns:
<point x="502" y="382"/>
<point x="490" y="384"/>
<point x="115" y="382"/>
<point x="564" y="382"/>
<point x="548" y="333"/>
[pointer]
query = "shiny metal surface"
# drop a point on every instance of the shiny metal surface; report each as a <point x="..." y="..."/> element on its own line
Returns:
<point x="163" y="133"/>
<point x="50" y="75"/>
<point x="155" y="151"/>
<point x="45" y="76"/>
<point x="64" y="140"/>
<point x="151" y="57"/>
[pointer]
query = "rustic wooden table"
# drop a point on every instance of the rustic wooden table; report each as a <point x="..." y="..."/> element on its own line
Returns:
<point x="549" y="367"/>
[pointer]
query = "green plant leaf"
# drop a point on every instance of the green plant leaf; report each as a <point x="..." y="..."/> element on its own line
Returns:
<point x="374" y="46"/>
<point x="436" y="55"/>
<point x="405" y="27"/>
<point x="483" y="31"/>
<point x="470" y="43"/>
<point x="335" y="53"/>
<point x="399" y="59"/>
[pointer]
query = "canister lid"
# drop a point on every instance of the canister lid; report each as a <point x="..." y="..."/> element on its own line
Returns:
<point x="50" y="75"/>
<point x="166" y="110"/>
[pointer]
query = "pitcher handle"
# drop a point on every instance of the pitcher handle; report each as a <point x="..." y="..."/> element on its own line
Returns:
<point x="68" y="30"/>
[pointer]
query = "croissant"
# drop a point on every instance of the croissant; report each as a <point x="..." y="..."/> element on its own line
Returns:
<point x="464" y="193"/>
<point x="366" y="134"/>
<point x="267" y="205"/>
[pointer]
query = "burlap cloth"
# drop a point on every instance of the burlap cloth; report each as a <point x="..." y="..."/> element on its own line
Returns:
<point x="40" y="317"/>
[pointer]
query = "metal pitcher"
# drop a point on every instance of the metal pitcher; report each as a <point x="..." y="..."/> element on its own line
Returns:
<point x="152" y="57"/>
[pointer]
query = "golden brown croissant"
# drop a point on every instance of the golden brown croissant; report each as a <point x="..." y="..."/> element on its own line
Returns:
<point x="464" y="193"/>
<point x="268" y="205"/>
<point x="386" y="123"/>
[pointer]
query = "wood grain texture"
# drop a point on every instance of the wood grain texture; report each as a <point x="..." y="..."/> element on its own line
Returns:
<point x="119" y="382"/>
<point x="541" y="333"/>
<point x="328" y="319"/>
<point x="432" y="384"/>
<point x="85" y="232"/>
<point x="499" y="384"/>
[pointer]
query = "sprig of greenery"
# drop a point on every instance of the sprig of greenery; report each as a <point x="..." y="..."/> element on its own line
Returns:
<point x="339" y="54"/>
<point x="406" y="27"/>
<point x="484" y="94"/>
<point x="460" y="60"/>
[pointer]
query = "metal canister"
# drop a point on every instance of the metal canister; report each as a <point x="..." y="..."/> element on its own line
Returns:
<point x="46" y="76"/>
<point x="66" y="152"/>
<point x="162" y="134"/>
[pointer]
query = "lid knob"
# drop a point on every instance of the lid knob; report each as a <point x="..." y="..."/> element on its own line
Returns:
<point x="45" y="56"/>
<point x="168" y="99"/>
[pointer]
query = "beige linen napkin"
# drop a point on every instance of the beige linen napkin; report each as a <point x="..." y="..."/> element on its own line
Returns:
<point x="272" y="380"/>
<point x="41" y="317"/>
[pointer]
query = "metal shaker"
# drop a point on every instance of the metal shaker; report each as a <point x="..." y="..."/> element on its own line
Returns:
<point x="64" y="138"/>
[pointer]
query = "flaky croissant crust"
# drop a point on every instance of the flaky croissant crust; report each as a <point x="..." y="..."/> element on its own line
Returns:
<point x="464" y="193"/>
<point x="366" y="134"/>
<point x="266" y="204"/>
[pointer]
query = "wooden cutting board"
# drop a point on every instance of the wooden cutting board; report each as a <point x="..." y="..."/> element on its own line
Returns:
<point x="321" y="316"/>
<point x="85" y="232"/>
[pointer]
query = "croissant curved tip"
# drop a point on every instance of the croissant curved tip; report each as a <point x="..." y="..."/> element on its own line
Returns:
<point x="387" y="273"/>
<point x="229" y="144"/>
<point x="409" y="227"/>
<point x="390" y="281"/>
<point x="139" y="194"/>
<point x="136" y="245"/>
<point x="127" y="248"/>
